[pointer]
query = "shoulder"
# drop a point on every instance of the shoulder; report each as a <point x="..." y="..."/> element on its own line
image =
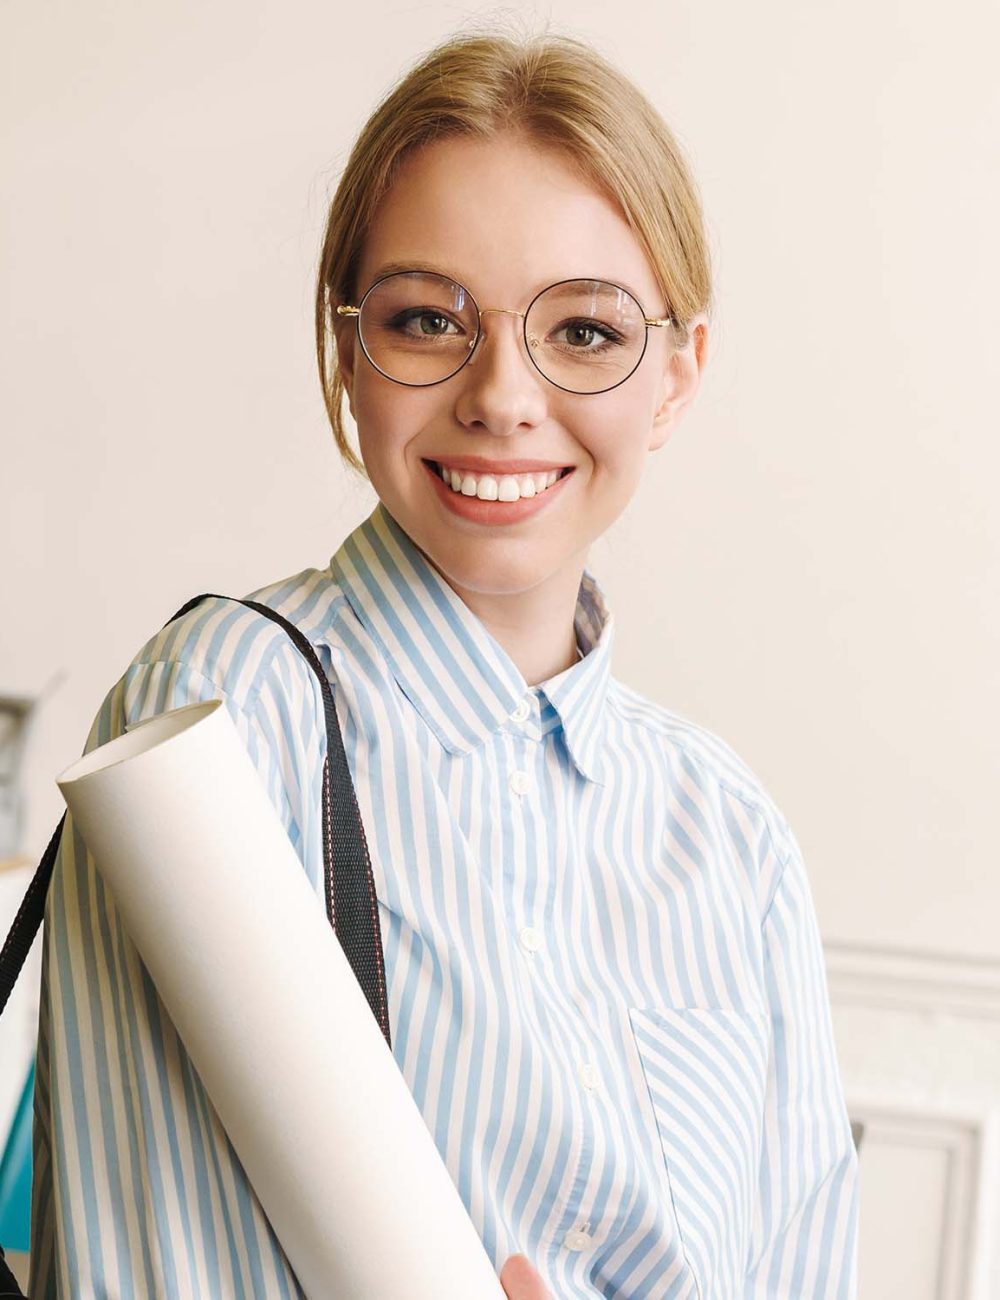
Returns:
<point x="239" y="649"/>
<point x="706" y="757"/>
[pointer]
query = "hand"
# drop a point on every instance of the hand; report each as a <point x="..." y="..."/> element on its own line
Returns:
<point x="521" y="1281"/>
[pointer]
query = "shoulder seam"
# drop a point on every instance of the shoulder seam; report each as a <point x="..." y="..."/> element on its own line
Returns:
<point x="755" y="805"/>
<point x="778" y="878"/>
<point x="247" y="706"/>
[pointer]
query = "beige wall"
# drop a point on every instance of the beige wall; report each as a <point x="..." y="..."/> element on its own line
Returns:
<point x="811" y="566"/>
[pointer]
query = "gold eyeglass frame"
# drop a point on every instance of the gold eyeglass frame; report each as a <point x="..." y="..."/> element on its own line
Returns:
<point x="345" y="309"/>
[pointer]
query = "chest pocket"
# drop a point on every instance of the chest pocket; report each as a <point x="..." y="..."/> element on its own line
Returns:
<point x="706" y="1070"/>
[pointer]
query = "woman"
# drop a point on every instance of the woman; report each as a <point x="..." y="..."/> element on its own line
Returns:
<point x="604" y="972"/>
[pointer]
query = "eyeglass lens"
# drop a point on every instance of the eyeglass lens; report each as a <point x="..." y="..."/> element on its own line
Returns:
<point x="584" y="335"/>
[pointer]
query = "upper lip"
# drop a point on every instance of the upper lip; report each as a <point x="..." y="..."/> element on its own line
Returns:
<point x="480" y="465"/>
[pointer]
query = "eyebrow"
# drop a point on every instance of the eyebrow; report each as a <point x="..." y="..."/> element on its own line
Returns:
<point x="392" y="268"/>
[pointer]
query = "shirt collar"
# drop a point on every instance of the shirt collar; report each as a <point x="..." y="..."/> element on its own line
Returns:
<point x="446" y="662"/>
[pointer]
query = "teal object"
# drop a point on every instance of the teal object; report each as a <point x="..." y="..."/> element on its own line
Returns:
<point x="15" y="1174"/>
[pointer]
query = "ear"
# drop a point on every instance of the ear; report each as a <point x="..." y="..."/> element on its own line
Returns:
<point x="345" y="333"/>
<point x="681" y="380"/>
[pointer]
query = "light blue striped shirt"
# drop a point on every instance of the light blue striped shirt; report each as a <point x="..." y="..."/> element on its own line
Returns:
<point x="605" y="978"/>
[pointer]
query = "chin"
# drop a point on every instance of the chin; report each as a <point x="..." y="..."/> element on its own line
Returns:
<point x="492" y="571"/>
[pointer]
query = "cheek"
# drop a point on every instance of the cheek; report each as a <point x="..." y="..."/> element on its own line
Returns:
<point x="374" y="400"/>
<point x="616" y="435"/>
<point x="387" y="414"/>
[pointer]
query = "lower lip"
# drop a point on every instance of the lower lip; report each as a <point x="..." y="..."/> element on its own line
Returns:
<point x="495" y="512"/>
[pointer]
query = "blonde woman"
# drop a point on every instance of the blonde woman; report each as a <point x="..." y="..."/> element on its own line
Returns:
<point x="604" y="972"/>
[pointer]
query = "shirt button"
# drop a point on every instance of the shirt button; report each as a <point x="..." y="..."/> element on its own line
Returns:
<point x="522" y="711"/>
<point x="576" y="1240"/>
<point x="589" y="1076"/>
<point x="520" y="782"/>
<point x="530" y="939"/>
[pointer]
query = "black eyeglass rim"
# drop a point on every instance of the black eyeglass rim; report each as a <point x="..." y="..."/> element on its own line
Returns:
<point x="572" y="279"/>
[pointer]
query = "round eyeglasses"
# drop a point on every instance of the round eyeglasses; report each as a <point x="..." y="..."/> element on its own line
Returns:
<point x="419" y="328"/>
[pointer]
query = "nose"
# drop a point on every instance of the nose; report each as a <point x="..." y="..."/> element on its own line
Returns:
<point x="501" y="387"/>
<point x="516" y="330"/>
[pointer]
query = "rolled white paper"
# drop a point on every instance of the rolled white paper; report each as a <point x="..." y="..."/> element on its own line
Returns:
<point x="265" y="1001"/>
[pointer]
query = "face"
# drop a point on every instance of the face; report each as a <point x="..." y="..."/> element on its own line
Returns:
<point x="506" y="219"/>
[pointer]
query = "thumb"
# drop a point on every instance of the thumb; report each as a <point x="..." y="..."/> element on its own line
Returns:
<point x="521" y="1280"/>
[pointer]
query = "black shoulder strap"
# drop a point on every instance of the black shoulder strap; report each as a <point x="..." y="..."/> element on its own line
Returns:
<point x="351" y="903"/>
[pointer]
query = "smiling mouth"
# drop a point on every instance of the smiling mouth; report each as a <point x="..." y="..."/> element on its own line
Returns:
<point x="499" y="495"/>
<point x="436" y="466"/>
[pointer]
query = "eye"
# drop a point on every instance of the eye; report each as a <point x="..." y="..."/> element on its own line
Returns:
<point x="583" y="331"/>
<point x="438" y="322"/>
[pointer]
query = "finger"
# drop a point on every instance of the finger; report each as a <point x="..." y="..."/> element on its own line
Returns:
<point x="521" y="1280"/>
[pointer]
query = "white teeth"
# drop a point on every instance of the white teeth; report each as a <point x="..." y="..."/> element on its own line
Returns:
<point x="511" y="487"/>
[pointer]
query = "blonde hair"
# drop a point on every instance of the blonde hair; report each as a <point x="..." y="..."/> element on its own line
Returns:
<point x="558" y="92"/>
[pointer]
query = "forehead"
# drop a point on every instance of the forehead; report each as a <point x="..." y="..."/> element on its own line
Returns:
<point x="506" y="217"/>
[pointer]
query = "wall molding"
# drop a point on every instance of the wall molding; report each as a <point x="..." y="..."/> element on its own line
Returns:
<point x="910" y="980"/>
<point x="969" y="1138"/>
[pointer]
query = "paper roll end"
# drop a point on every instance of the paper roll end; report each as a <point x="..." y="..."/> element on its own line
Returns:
<point x="155" y="730"/>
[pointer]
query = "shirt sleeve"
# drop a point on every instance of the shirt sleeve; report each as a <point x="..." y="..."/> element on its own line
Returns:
<point x="804" y="1240"/>
<point x="137" y="1191"/>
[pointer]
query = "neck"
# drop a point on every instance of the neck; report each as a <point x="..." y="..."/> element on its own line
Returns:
<point x="536" y="627"/>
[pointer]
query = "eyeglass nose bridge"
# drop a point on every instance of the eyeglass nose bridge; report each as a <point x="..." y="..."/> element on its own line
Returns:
<point x="506" y="311"/>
